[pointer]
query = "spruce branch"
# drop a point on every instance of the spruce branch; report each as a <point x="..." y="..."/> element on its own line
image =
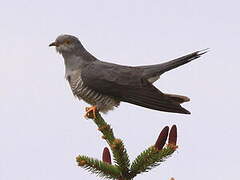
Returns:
<point x="120" y="156"/>
<point x="147" y="160"/>
<point x="106" y="157"/>
<point x="118" y="149"/>
<point x="105" y="128"/>
<point x="100" y="168"/>
<point x="154" y="155"/>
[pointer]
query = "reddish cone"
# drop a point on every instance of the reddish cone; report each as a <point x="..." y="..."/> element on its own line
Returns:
<point x="106" y="157"/>
<point x="173" y="136"/>
<point x="162" y="138"/>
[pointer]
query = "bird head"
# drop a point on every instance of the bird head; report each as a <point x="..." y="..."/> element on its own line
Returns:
<point x="66" y="43"/>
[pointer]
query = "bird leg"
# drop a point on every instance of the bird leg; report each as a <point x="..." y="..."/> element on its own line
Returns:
<point x="92" y="110"/>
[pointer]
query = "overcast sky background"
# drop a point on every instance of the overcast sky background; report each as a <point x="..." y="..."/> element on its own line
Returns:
<point x="42" y="127"/>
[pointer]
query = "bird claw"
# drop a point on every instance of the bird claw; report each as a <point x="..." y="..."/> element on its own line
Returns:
<point x="91" y="112"/>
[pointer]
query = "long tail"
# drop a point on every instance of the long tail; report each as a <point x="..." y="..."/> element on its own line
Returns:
<point x="158" y="69"/>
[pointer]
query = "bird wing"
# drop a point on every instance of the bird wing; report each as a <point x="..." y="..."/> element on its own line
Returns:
<point x="126" y="84"/>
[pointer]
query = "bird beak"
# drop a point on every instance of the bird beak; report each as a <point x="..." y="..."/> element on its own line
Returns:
<point x="53" y="44"/>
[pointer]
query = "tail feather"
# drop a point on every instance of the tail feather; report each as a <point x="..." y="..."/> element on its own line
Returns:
<point x="178" y="98"/>
<point x="158" y="69"/>
<point x="152" y="98"/>
<point x="147" y="103"/>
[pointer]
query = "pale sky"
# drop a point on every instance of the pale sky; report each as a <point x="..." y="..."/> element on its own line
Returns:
<point x="42" y="127"/>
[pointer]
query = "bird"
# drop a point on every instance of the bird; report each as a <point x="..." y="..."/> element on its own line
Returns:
<point x="104" y="85"/>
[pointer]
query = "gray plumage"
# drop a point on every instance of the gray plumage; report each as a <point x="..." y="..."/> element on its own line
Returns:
<point x="105" y="85"/>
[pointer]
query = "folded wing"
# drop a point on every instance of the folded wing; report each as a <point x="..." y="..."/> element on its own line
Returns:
<point x="127" y="84"/>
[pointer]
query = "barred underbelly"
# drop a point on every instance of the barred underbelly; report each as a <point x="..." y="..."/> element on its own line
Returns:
<point x="103" y="102"/>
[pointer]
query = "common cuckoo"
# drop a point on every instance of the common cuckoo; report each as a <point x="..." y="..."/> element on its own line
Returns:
<point x="104" y="85"/>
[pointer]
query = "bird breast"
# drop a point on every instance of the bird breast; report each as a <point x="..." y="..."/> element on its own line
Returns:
<point x="103" y="102"/>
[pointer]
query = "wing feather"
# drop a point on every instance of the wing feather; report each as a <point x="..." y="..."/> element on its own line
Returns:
<point x="127" y="84"/>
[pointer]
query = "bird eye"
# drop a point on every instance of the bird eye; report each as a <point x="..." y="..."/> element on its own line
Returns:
<point x="67" y="41"/>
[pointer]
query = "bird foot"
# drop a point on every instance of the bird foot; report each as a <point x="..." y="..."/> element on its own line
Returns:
<point x="91" y="112"/>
